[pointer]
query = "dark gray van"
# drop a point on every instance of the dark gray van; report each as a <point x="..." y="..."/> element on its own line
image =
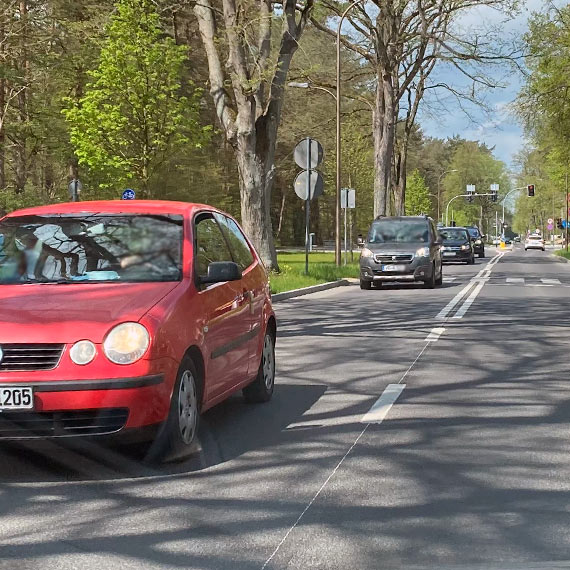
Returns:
<point x="401" y="248"/>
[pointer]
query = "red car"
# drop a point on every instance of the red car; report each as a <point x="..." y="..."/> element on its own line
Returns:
<point x="122" y="315"/>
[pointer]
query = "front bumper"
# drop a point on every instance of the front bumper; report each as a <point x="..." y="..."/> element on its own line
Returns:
<point x="458" y="255"/>
<point x="478" y="248"/>
<point x="419" y="269"/>
<point x="90" y="407"/>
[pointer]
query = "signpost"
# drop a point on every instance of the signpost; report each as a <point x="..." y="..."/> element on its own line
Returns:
<point x="347" y="201"/>
<point x="74" y="189"/>
<point x="309" y="183"/>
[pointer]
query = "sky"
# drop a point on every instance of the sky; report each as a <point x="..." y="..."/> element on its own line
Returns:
<point x="496" y="127"/>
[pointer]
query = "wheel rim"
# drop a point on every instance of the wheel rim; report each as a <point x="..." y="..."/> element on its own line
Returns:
<point x="187" y="407"/>
<point x="268" y="362"/>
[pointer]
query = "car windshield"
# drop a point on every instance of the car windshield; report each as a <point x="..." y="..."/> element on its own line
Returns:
<point x="90" y="247"/>
<point x="454" y="235"/>
<point x="399" y="231"/>
<point x="474" y="232"/>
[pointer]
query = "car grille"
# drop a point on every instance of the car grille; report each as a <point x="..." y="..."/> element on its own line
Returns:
<point x="401" y="258"/>
<point x="19" y="425"/>
<point x="30" y="356"/>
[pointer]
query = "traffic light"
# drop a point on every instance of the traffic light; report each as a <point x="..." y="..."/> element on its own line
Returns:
<point x="559" y="223"/>
<point x="530" y="189"/>
<point x="470" y="192"/>
<point x="494" y="195"/>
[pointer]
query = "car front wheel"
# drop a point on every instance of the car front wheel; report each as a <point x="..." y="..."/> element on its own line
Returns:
<point x="430" y="283"/>
<point x="177" y="436"/>
<point x="365" y="284"/>
<point x="261" y="389"/>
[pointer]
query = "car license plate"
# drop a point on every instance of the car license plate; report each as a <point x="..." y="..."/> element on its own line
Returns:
<point x="393" y="267"/>
<point x="448" y="253"/>
<point x="16" y="398"/>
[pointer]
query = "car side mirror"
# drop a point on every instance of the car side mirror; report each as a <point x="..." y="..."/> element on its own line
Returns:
<point x="220" y="271"/>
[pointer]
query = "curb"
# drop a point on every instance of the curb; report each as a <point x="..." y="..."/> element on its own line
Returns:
<point x="308" y="290"/>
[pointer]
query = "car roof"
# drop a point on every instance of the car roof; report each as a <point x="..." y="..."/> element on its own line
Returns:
<point x="115" y="207"/>
<point x="423" y="218"/>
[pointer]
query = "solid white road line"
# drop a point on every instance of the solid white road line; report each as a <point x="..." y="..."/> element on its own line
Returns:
<point x="382" y="406"/>
<point x="435" y="334"/>
<point x="515" y="279"/>
<point x="469" y="301"/>
<point x="449" y="307"/>
<point x="550" y="281"/>
<point x="449" y="279"/>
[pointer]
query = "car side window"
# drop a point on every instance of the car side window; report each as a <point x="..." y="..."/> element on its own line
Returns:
<point x="239" y="247"/>
<point x="211" y="245"/>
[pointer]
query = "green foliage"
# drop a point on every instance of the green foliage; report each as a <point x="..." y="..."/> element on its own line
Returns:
<point x="132" y="116"/>
<point x="417" y="195"/>
<point x="474" y="164"/>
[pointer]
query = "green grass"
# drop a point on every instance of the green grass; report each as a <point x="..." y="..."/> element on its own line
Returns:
<point x="322" y="269"/>
<point x="563" y="253"/>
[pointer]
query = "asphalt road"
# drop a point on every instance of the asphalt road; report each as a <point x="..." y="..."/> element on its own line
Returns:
<point x="470" y="467"/>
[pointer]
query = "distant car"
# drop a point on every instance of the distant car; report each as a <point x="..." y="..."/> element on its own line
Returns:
<point x="457" y="245"/>
<point x="534" y="242"/>
<point x="508" y="241"/>
<point x="517" y="239"/>
<point x="129" y="317"/>
<point x="401" y="248"/>
<point x="477" y="239"/>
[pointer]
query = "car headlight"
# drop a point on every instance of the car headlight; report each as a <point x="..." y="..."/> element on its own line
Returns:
<point x="126" y="343"/>
<point x="422" y="252"/>
<point x="82" y="352"/>
<point x="366" y="252"/>
<point x="465" y="247"/>
<point x="478" y="242"/>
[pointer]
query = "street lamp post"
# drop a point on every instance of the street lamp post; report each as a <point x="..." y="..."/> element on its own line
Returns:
<point x="337" y="256"/>
<point x="438" y="186"/>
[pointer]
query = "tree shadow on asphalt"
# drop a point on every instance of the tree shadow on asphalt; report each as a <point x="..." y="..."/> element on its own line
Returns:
<point x="455" y="470"/>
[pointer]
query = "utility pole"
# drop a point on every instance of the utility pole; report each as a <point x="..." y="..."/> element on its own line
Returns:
<point x="566" y="210"/>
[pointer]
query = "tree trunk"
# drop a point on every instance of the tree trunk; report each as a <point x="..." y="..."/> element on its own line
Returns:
<point x="383" y="125"/>
<point x="255" y="218"/>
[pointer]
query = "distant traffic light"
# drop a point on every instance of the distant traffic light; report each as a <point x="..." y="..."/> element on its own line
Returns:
<point x="559" y="223"/>
<point x="494" y="195"/>
<point x="530" y="189"/>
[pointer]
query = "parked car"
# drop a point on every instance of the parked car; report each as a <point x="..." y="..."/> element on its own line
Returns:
<point x="477" y="238"/>
<point x="534" y="241"/>
<point x="127" y="318"/>
<point x="401" y="248"/>
<point x="457" y="245"/>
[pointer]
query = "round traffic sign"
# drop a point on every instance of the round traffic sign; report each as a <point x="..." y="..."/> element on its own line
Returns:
<point x="300" y="153"/>
<point x="550" y="221"/>
<point x="549" y="227"/>
<point x="315" y="182"/>
<point x="128" y="194"/>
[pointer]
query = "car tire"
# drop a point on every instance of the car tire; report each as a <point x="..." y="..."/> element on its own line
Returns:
<point x="176" y="438"/>
<point x="439" y="280"/>
<point x="482" y="255"/>
<point x="543" y="249"/>
<point x="430" y="283"/>
<point x="261" y="389"/>
<point x="365" y="284"/>
<point x="472" y="260"/>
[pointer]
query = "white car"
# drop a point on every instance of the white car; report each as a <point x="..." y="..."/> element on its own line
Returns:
<point x="534" y="242"/>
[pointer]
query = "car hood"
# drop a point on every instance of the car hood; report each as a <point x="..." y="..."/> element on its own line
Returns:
<point x="455" y="242"/>
<point x="395" y="247"/>
<point x="63" y="313"/>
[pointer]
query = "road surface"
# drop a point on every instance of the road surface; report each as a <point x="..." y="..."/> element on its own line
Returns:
<point x="469" y="468"/>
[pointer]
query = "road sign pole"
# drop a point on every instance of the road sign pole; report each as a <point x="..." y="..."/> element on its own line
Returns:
<point x="566" y="211"/>
<point x="75" y="193"/>
<point x="307" y="206"/>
